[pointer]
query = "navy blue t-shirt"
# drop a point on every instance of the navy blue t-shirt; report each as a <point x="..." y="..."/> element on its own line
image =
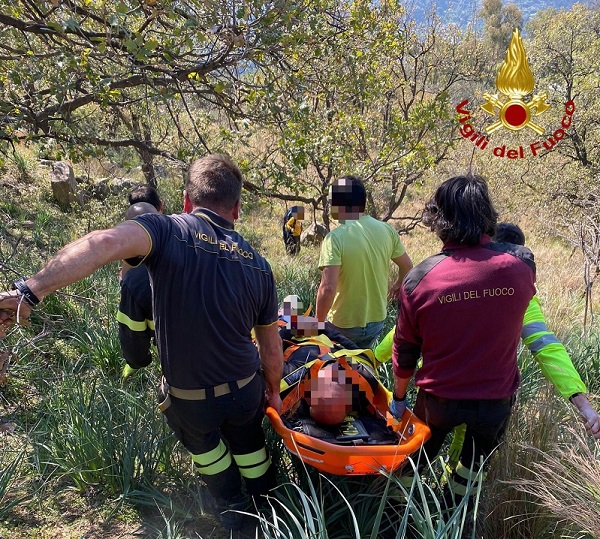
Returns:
<point x="210" y="288"/>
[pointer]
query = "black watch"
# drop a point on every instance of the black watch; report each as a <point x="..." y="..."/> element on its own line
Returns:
<point x="26" y="292"/>
<point x="398" y="399"/>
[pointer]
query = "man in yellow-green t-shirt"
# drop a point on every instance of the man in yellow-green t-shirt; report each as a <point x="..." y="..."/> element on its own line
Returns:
<point x="355" y="264"/>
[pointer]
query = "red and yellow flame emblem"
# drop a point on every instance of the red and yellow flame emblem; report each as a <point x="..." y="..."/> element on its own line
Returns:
<point x="515" y="81"/>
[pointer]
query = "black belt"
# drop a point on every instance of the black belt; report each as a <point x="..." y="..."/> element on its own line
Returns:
<point x="199" y="394"/>
<point x="442" y="400"/>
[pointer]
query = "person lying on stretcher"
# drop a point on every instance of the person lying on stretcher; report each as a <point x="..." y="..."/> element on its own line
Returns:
<point x="335" y="377"/>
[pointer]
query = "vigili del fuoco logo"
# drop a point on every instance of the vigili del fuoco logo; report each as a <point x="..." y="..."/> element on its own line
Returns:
<point x="514" y="82"/>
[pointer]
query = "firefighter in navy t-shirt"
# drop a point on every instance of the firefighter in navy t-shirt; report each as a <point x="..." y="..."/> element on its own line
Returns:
<point x="210" y="290"/>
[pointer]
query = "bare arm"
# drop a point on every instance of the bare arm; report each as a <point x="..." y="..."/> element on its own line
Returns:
<point x="327" y="289"/>
<point x="270" y="350"/>
<point x="404" y="264"/>
<point x="400" y="386"/>
<point x="589" y="414"/>
<point x="85" y="255"/>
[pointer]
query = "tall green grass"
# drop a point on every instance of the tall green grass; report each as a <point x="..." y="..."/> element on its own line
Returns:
<point x="312" y="504"/>
<point x="96" y="434"/>
<point x="298" y="275"/>
<point x="9" y="475"/>
<point x="584" y="349"/>
<point x="23" y="165"/>
<point x="360" y="507"/>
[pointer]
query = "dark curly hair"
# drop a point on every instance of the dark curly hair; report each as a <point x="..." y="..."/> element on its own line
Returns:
<point x="509" y="233"/>
<point x="461" y="210"/>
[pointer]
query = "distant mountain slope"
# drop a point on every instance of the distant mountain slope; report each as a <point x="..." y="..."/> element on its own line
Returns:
<point x="463" y="12"/>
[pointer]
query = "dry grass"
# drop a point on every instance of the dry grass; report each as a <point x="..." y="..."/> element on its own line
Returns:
<point x="512" y="513"/>
<point x="566" y="480"/>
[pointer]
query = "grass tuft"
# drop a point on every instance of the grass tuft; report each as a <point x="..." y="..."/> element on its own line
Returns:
<point x="98" y="435"/>
<point x="9" y="467"/>
<point x="566" y="480"/>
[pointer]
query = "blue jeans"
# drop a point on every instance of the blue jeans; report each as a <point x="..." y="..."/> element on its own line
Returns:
<point x="362" y="337"/>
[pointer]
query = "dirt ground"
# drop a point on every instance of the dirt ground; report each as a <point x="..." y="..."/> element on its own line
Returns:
<point x="68" y="514"/>
<point x="92" y="524"/>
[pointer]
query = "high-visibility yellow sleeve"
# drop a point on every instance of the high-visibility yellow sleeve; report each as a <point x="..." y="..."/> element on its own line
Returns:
<point x="550" y="354"/>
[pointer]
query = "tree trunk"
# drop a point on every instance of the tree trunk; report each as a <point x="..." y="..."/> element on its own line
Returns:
<point x="147" y="158"/>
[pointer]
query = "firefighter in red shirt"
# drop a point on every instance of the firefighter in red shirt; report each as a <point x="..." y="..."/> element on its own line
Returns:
<point x="462" y="312"/>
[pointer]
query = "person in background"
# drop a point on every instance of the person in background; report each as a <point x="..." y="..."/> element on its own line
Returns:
<point x="135" y="318"/>
<point x="143" y="194"/>
<point x="292" y="229"/>
<point x="355" y="264"/>
<point x="146" y="193"/>
<point x="211" y="289"/>
<point x="462" y="311"/>
<point x="551" y="355"/>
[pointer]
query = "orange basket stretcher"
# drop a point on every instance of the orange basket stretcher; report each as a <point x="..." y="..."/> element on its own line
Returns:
<point x="358" y="457"/>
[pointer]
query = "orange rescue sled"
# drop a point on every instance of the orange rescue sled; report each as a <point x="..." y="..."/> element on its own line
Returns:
<point x="356" y="449"/>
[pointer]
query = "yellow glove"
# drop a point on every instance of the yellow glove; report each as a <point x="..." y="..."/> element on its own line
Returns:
<point x="128" y="372"/>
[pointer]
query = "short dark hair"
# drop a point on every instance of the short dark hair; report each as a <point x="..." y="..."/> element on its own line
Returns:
<point x="349" y="192"/>
<point x="509" y="233"/>
<point x="145" y="193"/>
<point x="215" y="181"/>
<point x="461" y="210"/>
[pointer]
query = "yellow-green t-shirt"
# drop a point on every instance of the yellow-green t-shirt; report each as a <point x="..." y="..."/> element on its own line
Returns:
<point x="363" y="248"/>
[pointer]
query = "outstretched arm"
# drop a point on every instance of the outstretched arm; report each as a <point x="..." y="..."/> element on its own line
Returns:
<point x="80" y="259"/>
<point x="556" y="365"/>
<point x="549" y="353"/>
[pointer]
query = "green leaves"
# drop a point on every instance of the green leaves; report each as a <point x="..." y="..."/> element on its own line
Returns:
<point x="136" y="57"/>
<point x="355" y="96"/>
<point x="122" y="8"/>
